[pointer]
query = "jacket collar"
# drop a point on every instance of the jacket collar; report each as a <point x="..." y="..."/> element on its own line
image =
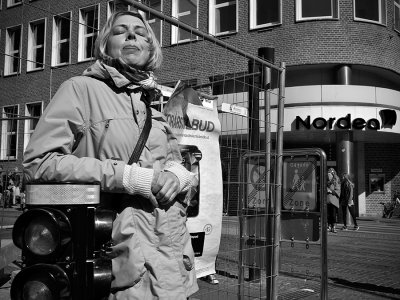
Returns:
<point x="105" y="72"/>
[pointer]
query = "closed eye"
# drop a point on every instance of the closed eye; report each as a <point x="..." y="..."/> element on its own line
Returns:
<point x="120" y="29"/>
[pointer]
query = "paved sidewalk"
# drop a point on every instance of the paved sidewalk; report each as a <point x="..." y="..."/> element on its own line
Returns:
<point x="289" y="286"/>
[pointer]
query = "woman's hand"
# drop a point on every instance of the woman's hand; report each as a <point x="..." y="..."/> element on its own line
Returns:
<point x="165" y="186"/>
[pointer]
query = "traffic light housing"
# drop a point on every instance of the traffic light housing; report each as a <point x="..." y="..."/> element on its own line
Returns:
<point x="64" y="237"/>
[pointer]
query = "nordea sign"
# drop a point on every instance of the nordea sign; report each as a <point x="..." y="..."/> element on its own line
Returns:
<point x="341" y="123"/>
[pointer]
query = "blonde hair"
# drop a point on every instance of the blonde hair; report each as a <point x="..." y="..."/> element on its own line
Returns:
<point x="156" y="56"/>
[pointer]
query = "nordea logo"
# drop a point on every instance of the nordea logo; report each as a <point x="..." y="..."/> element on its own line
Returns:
<point x="341" y="123"/>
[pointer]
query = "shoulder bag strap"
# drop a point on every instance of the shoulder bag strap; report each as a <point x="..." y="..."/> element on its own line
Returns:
<point x="142" y="138"/>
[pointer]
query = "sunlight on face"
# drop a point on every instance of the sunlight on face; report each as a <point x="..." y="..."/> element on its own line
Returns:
<point x="129" y="40"/>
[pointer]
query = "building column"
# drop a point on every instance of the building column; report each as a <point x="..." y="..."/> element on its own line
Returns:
<point x="345" y="162"/>
<point x="345" y="154"/>
<point x="361" y="184"/>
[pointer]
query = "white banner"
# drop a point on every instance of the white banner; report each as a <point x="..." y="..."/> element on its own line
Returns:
<point x="197" y="130"/>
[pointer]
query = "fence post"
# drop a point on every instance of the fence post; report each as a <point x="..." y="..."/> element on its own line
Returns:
<point x="268" y="54"/>
<point x="278" y="181"/>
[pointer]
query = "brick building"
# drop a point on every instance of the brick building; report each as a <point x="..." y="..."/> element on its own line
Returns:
<point x="342" y="60"/>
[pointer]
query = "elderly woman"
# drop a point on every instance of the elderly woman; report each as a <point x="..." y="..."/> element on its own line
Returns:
<point x="88" y="133"/>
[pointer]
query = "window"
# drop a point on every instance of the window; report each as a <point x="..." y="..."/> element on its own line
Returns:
<point x="9" y="132"/>
<point x="223" y="17"/>
<point x="370" y="10"/>
<point x="316" y="9"/>
<point x="36" y="45"/>
<point x="13" y="51"/>
<point x="265" y="13"/>
<point x="110" y="8"/>
<point x="61" y="39"/>
<point x="13" y="2"/>
<point x="185" y="11"/>
<point x="160" y="103"/>
<point x="154" y="22"/>
<point x="88" y="30"/>
<point x="33" y="112"/>
<point x="377" y="183"/>
<point x="397" y="15"/>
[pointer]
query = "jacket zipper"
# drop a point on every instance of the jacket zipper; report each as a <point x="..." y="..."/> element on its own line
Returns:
<point x="103" y="136"/>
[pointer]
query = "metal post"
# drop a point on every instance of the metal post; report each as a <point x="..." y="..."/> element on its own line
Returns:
<point x="278" y="189"/>
<point x="240" y="293"/>
<point x="266" y="81"/>
<point x="323" y="234"/>
<point x="254" y="141"/>
<point x="254" y="107"/>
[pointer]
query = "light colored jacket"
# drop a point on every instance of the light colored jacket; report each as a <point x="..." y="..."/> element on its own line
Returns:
<point x="87" y="134"/>
<point x="89" y="130"/>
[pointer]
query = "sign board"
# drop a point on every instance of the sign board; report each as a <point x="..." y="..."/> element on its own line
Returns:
<point x="299" y="183"/>
<point x="255" y="182"/>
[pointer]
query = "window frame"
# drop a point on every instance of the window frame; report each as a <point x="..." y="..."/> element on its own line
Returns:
<point x="396" y="7"/>
<point x="175" y="30"/>
<point x="30" y="56"/>
<point x="382" y="15"/>
<point x="253" y="18"/>
<point x="151" y="21"/>
<point x="334" y="13"/>
<point x="55" y="53"/>
<point x="212" y="15"/>
<point x="12" y="3"/>
<point x="5" y="134"/>
<point x="27" y="131"/>
<point x="110" y="8"/>
<point x="82" y="36"/>
<point x="10" y="54"/>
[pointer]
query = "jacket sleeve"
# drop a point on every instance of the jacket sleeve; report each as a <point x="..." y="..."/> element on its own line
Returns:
<point x="48" y="156"/>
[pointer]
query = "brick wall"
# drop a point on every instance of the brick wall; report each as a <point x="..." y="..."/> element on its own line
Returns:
<point x="309" y="42"/>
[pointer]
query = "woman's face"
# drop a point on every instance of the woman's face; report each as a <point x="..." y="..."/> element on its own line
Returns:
<point x="129" y="40"/>
<point x="330" y="176"/>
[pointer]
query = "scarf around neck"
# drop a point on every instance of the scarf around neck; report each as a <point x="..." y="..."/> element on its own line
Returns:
<point x="144" y="79"/>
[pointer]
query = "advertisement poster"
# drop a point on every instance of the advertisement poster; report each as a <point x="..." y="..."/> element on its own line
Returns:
<point x="197" y="129"/>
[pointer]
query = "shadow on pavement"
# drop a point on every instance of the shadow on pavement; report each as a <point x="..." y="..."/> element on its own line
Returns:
<point x="366" y="286"/>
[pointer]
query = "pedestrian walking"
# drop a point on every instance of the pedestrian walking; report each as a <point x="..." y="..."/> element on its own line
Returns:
<point x="346" y="200"/>
<point x="88" y="133"/>
<point x="332" y="199"/>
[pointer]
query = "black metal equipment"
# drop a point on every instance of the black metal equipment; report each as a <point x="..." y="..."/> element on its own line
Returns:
<point x="64" y="237"/>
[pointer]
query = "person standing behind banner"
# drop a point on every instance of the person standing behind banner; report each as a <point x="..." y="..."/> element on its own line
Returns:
<point x="346" y="200"/>
<point x="88" y="133"/>
<point x="332" y="199"/>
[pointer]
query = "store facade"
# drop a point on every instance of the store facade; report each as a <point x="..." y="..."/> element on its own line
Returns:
<point x="358" y="128"/>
